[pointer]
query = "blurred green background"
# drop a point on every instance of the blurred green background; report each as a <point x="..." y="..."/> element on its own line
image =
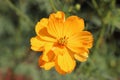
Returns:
<point x="17" y="23"/>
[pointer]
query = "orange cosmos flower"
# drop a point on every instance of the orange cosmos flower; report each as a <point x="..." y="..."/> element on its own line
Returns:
<point x="62" y="41"/>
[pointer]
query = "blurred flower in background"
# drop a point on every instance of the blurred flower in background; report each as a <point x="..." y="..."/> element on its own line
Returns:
<point x="17" y="22"/>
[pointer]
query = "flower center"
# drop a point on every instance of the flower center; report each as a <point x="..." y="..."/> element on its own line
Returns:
<point x="62" y="41"/>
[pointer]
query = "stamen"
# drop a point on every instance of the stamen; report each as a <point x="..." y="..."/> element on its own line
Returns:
<point x="62" y="41"/>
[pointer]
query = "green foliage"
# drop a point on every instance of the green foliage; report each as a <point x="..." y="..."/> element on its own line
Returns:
<point x="102" y="18"/>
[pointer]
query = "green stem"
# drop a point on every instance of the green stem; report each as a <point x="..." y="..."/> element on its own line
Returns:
<point x="101" y="35"/>
<point x="113" y="4"/>
<point x="19" y="12"/>
<point x="96" y="7"/>
<point x="52" y="5"/>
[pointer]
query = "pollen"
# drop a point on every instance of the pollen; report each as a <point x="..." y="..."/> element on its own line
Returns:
<point x="62" y="41"/>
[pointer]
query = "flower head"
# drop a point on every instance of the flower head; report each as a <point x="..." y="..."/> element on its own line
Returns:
<point x="62" y="41"/>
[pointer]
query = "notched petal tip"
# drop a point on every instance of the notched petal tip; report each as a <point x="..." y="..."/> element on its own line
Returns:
<point x="73" y="24"/>
<point x="58" y="15"/>
<point x="77" y="22"/>
<point x="87" y="39"/>
<point x="81" y="57"/>
<point x="36" y="44"/>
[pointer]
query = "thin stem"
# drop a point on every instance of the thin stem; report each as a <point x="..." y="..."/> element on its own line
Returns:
<point x="101" y="34"/>
<point x="100" y="37"/>
<point x="19" y="12"/>
<point x="52" y="5"/>
<point x="96" y="7"/>
<point x="113" y="4"/>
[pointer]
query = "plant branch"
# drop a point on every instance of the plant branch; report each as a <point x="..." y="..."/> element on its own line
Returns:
<point x="19" y="12"/>
<point x="94" y="3"/>
<point x="53" y="5"/>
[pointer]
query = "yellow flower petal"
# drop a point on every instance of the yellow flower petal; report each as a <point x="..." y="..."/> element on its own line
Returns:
<point x="59" y="70"/>
<point x="78" y="50"/>
<point x="86" y="39"/>
<point x="80" y="40"/>
<point x="44" y="35"/>
<point x="61" y="41"/>
<point x="55" y="24"/>
<point x="59" y="15"/>
<point x="65" y="62"/>
<point x="81" y="57"/>
<point x="73" y="25"/>
<point x="48" y="54"/>
<point x="41" y="30"/>
<point x="45" y="65"/>
<point x="40" y="25"/>
<point x="36" y="44"/>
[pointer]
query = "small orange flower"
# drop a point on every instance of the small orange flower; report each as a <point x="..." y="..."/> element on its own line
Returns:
<point x="62" y="41"/>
